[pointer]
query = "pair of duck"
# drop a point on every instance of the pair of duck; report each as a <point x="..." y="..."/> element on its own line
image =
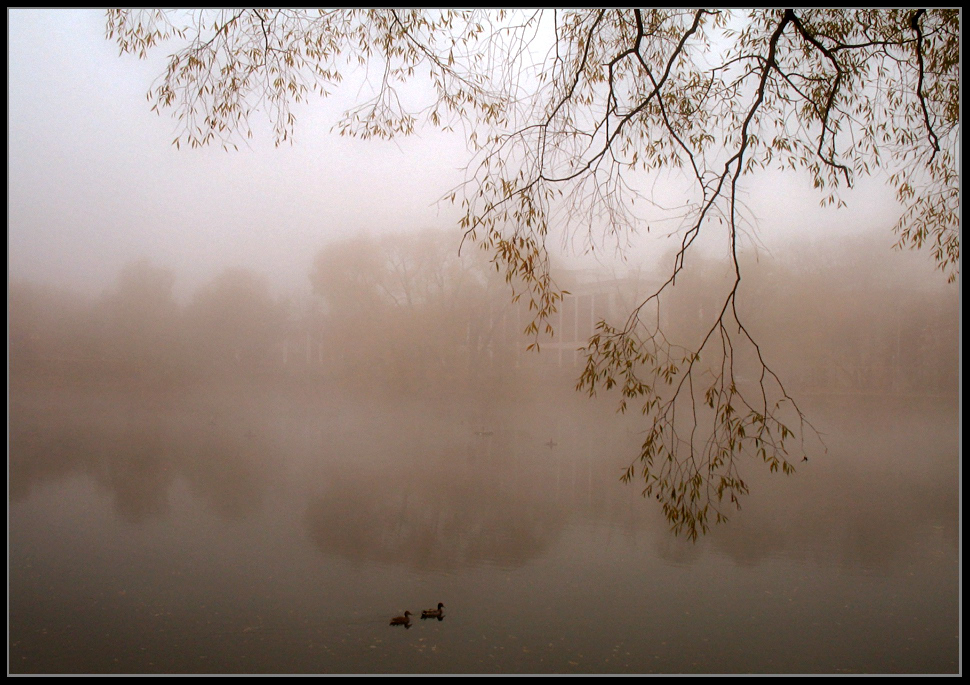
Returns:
<point x="427" y="613"/>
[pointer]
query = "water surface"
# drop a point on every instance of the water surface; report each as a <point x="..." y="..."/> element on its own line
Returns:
<point x="218" y="531"/>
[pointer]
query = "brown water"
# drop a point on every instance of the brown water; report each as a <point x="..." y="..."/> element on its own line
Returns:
<point x="233" y="531"/>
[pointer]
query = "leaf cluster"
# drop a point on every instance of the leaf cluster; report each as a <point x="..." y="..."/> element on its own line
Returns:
<point x="575" y="115"/>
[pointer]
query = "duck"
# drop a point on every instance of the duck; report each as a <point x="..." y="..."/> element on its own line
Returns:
<point x="433" y="613"/>
<point x="402" y="620"/>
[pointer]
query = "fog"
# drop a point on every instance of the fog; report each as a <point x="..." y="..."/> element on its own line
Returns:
<point x="124" y="250"/>
<point x="406" y="313"/>
<point x="262" y="400"/>
<point x="95" y="182"/>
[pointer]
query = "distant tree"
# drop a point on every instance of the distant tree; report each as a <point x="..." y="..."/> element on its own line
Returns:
<point x="835" y="322"/>
<point x="350" y="274"/>
<point x="140" y="317"/>
<point x="350" y="277"/>
<point x="571" y="113"/>
<point x="401" y="302"/>
<point x="233" y="322"/>
<point x="45" y="324"/>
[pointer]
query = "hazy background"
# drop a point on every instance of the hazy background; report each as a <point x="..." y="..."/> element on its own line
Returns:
<point x="259" y="404"/>
<point x="94" y="181"/>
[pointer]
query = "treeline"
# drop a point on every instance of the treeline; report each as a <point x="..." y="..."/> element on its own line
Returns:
<point x="852" y="319"/>
<point x="412" y="309"/>
<point x="398" y="311"/>
<point x="137" y="327"/>
<point x="408" y="312"/>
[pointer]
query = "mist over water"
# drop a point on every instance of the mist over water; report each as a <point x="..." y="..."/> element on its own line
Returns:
<point x="260" y="403"/>
<point x="144" y="539"/>
<point x="240" y="485"/>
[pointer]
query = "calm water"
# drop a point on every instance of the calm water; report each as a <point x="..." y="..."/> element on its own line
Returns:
<point x="225" y="532"/>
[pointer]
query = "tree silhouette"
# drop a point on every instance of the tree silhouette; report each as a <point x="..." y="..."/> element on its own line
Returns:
<point x="234" y="322"/>
<point x="571" y="114"/>
<point x="139" y="317"/>
<point x="412" y="290"/>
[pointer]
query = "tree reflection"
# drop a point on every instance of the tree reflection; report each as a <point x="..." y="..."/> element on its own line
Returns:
<point x="453" y="484"/>
<point x="433" y="513"/>
<point x="136" y="453"/>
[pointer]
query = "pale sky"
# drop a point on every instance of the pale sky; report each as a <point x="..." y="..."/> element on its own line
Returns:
<point x="94" y="182"/>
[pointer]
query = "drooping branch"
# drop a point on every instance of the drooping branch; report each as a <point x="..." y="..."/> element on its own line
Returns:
<point x="568" y="144"/>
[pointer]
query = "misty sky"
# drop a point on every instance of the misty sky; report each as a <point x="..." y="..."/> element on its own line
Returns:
<point x="94" y="181"/>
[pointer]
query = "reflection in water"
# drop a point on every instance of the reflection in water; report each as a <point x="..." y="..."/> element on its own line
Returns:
<point x="137" y="452"/>
<point x="869" y="501"/>
<point x="433" y="510"/>
<point x="223" y="531"/>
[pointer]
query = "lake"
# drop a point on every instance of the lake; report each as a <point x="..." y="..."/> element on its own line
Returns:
<point x="263" y="530"/>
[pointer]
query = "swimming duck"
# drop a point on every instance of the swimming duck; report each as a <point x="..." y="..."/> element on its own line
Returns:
<point x="433" y="613"/>
<point x="402" y="620"/>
